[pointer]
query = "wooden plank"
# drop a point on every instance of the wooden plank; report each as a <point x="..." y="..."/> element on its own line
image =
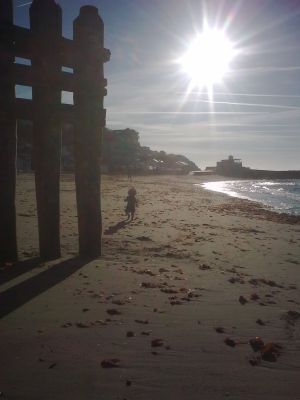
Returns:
<point x="23" y="43"/>
<point x="23" y="76"/>
<point x="88" y="127"/>
<point x="65" y="113"/>
<point x="8" y="237"/>
<point x="24" y="46"/>
<point x="67" y="52"/>
<point x="23" y="109"/>
<point x="46" y="26"/>
<point x="66" y="81"/>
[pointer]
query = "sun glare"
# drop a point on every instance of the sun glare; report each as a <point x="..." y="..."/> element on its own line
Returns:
<point x="207" y="59"/>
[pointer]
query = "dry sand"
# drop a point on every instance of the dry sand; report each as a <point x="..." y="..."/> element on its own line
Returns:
<point x="194" y="269"/>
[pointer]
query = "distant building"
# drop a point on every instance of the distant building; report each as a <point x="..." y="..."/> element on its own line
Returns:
<point x="233" y="167"/>
<point x="207" y="171"/>
<point x="230" y="167"/>
<point x="202" y="173"/>
<point x="210" y="169"/>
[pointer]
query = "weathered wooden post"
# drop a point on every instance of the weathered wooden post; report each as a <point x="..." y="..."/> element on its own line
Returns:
<point x="8" y="241"/>
<point x="89" y="90"/>
<point x="46" y="28"/>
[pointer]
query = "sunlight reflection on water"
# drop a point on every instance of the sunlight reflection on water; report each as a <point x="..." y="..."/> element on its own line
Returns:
<point x="281" y="195"/>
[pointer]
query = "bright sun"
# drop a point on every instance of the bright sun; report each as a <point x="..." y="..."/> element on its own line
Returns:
<point x="207" y="59"/>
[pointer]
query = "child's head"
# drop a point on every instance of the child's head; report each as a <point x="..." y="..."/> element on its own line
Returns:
<point x="132" y="192"/>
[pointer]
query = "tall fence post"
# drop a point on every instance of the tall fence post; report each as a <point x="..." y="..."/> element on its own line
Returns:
<point x="89" y="122"/>
<point x="46" y="28"/>
<point x="8" y="240"/>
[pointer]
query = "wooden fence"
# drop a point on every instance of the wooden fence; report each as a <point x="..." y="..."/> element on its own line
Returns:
<point x="49" y="53"/>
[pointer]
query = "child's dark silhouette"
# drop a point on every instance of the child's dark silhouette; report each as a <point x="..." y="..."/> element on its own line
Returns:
<point x="131" y="203"/>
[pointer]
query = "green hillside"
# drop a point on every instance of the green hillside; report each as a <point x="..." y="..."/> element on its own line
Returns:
<point x="121" y="153"/>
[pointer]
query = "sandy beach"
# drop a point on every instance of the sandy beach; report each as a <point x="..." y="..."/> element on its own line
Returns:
<point x="170" y="311"/>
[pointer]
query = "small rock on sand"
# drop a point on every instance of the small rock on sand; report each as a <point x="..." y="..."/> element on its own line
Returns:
<point x="230" y="342"/>
<point x="110" y="363"/>
<point x="113" y="311"/>
<point x="243" y="300"/>
<point x="157" y="342"/>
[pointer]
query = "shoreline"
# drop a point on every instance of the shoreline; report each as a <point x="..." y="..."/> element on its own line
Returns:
<point x="180" y="273"/>
<point x="259" y="203"/>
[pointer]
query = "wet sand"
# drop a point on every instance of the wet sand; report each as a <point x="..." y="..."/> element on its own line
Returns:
<point x="168" y="311"/>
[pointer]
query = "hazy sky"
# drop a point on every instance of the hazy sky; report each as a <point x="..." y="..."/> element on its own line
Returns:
<point x="256" y="111"/>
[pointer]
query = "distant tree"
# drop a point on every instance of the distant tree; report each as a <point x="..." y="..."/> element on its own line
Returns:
<point x="121" y="151"/>
<point x="120" y="148"/>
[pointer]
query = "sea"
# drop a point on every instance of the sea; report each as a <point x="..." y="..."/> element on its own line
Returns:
<point x="283" y="196"/>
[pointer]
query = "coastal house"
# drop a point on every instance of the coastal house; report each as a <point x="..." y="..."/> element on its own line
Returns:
<point x="169" y="166"/>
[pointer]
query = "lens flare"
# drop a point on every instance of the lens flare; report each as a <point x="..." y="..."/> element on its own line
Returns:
<point x="207" y="60"/>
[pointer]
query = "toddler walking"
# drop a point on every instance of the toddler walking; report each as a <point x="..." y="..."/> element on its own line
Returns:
<point x="132" y="203"/>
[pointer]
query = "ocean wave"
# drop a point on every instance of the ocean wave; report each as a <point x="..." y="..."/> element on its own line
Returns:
<point x="281" y="195"/>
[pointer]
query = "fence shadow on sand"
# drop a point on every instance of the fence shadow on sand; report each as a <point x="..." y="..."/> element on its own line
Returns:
<point x="18" y="295"/>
